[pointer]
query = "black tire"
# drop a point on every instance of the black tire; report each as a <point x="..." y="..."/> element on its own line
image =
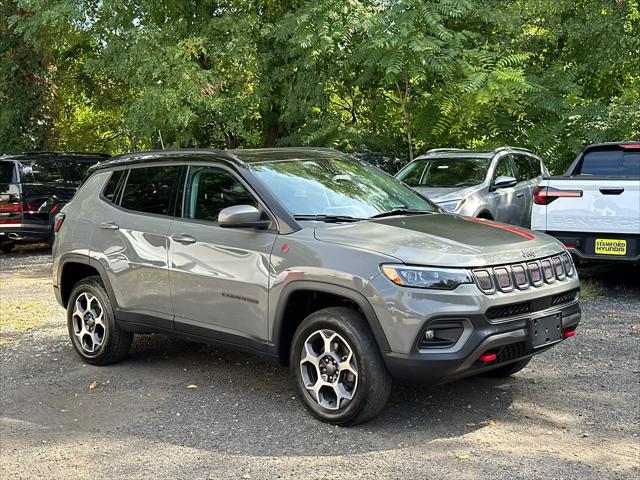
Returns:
<point x="115" y="343"/>
<point x="508" y="370"/>
<point x="373" y="379"/>
<point x="7" y="247"/>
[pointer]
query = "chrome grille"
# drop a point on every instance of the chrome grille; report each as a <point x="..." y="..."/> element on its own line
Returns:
<point x="521" y="276"/>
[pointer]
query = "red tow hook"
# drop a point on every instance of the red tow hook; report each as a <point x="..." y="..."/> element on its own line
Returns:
<point x="487" y="357"/>
<point x="569" y="332"/>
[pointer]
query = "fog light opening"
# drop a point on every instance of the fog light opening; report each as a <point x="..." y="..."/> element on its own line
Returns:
<point x="487" y="357"/>
<point x="429" y="334"/>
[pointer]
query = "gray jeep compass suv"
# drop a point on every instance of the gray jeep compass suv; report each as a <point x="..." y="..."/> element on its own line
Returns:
<point x="311" y="257"/>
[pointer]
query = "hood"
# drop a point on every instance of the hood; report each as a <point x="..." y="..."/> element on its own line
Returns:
<point x="442" y="240"/>
<point x="439" y="195"/>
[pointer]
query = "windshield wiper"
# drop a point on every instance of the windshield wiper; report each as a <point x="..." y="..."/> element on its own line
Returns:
<point x="400" y="211"/>
<point x="328" y="218"/>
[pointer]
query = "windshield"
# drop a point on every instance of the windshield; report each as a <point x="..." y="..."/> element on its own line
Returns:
<point x="446" y="172"/>
<point x="338" y="186"/>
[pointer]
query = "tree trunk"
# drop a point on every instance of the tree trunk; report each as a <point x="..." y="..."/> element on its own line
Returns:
<point x="404" y="94"/>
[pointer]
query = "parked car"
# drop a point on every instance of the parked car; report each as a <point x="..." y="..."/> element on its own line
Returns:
<point x="496" y="185"/>
<point x="33" y="188"/>
<point x="594" y="208"/>
<point x="310" y="257"/>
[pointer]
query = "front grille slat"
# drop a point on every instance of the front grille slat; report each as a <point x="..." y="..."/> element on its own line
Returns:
<point x="522" y="276"/>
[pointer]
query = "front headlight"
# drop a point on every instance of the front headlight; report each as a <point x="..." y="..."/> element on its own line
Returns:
<point x="426" y="277"/>
<point x="452" y="205"/>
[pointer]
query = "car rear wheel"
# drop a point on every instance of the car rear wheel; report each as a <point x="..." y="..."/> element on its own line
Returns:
<point x="7" y="247"/>
<point x="338" y="367"/>
<point x="508" y="370"/>
<point x="92" y="327"/>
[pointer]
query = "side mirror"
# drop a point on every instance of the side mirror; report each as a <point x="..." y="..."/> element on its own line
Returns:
<point x="242" y="216"/>
<point x="503" y="182"/>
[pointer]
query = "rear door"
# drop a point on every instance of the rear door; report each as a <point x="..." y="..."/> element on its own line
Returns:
<point x="131" y="242"/>
<point x="219" y="276"/>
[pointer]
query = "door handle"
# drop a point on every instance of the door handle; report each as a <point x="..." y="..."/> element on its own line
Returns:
<point x="520" y="195"/>
<point x="109" y="226"/>
<point x="611" y="191"/>
<point x="183" y="238"/>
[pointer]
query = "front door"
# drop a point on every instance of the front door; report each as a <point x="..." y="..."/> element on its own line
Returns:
<point x="508" y="203"/>
<point x="219" y="276"/>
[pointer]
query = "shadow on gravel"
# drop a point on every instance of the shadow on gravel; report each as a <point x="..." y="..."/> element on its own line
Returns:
<point x="255" y="402"/>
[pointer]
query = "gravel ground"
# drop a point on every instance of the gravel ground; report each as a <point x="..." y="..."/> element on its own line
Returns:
<point x="574" y="413"/>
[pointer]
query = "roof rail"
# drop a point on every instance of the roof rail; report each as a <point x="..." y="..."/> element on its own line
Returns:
<point x="436" y="150"/>
<point x="508" y="148"/>
<point x="48" y="152"/>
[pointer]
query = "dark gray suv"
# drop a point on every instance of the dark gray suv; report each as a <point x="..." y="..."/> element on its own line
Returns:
<point x="311" y="257"/>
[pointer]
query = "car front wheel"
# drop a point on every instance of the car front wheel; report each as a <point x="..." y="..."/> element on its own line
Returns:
<point x="338" y="367"/>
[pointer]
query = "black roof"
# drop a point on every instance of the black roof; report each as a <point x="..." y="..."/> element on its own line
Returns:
<point x="237" y="157"/>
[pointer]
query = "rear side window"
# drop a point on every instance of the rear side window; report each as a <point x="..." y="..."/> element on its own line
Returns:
<point x="611" y="162"/>
<point x="6" y="172"/>
<point x="151" y="189"/>
<point x="75" y="170"/>
<point x="210" y="189"/>
<point x="527" y="167"/>
<point x="41" y="170"/>
<point x="112" y="187"/>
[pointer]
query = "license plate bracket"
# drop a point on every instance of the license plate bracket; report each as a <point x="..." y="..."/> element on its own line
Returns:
<point x="545" y="331"/>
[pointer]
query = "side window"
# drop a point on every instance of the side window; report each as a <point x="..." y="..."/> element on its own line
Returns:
<point x="151" y="189"/>
<point x="40" y="170"/>
<point x="111" y="189"/>
<point x="525" y="167"/>
<point x="6" y="172"/>
<point x="210" y="189"/>
<point x="413" y="175"/>
<point x="503" y="168"/>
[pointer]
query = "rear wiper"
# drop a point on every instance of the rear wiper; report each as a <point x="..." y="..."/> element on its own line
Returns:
<point x="328" y="218"/>
<point x="400" y="211"/>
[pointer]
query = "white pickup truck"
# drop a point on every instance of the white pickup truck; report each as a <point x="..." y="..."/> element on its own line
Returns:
<point x="594" y="208"/>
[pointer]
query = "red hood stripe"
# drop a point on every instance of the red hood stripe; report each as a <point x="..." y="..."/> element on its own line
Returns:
<point x="522" y="233"/>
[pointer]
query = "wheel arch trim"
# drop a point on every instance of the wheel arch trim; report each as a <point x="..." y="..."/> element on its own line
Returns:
<point x="68" y="258"/>
<point x="348" y="293"/>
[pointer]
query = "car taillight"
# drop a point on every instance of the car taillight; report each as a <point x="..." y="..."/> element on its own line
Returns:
<point x="58" y="222"/>
<point x="15" y="207"/>
<point x="546" y="195"/>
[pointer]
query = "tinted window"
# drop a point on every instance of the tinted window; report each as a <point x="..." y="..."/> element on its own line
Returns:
<point x="150" y="189"/>
<point x="210" y="189"/>
<point x="43" y="170"/>
<point x="111" y="188"/>
<point x="336" y="186"/>
<point x="503" y="168"/>
<point x="611" y="162"/>
<point x="75" y="170"/>
<point x="449" y="172"/>
<point x="6" y="172"/>
<point x="527" y="167"/>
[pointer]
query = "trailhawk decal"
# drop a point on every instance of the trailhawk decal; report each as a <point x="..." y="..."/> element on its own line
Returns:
<point x="515" y="230"/>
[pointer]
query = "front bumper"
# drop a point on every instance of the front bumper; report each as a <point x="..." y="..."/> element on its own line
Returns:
<point x="508" y="340"/>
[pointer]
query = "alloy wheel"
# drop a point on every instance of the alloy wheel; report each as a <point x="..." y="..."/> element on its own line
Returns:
<point x="329" y="369"/>
<point x="88" y="323"/>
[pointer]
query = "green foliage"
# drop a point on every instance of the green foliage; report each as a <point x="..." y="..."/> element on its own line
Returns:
<point x="386" y="75"/>
<point x="24" y="88"/>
